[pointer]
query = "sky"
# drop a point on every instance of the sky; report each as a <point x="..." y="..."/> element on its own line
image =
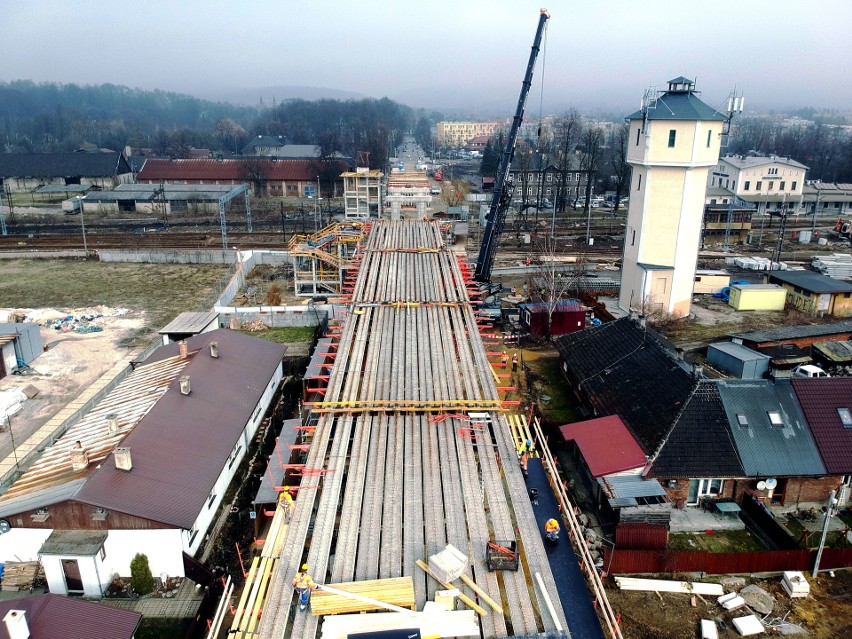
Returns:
<point x="463" y="56"/>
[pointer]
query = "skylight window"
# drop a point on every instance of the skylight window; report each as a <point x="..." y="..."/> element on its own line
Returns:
<point x="845" y="417"/>
<point x="775" y="418"/>
<point x="742" y="420"/>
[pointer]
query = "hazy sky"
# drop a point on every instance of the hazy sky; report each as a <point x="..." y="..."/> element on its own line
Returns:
<point x="462" y="54"/>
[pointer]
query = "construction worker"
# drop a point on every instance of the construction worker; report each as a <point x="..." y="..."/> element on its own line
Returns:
<point x="523" y="461"/>
<point x="304" y="585"/>
<point x="504" y="358"/>
<point x="551" y="528"/>
<point x="514" y="362"/>
<point x="285" y="499"/>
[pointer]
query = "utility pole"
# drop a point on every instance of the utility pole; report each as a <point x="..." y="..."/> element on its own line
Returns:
<point x="816" y="206"/>
<point x="829" y="513"/>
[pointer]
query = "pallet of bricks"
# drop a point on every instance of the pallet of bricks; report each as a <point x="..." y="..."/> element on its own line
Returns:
<point x="21" y="575"/>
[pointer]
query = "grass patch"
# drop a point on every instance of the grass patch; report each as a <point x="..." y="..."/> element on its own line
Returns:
<point x="161" y="290"/>
<point x="720" y="541"/>
<point x="834" y="538"/>
<point x="284" y="335"/>
<point x="162" y="628"/>
<point x="546" y="379"/>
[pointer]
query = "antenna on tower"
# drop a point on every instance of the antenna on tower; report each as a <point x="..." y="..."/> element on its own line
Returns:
<point x="649" y="101"/>
<point x="734" y="107"/>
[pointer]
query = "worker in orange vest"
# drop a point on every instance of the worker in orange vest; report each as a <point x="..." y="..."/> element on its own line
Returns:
<point x="304" y="585"/>
<point x="551" y="528"/>
<point x="504" y="358"/>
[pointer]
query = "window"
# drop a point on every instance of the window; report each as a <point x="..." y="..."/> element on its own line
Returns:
<point x="775" y="418"/>
<point x="747" y="185"/>
<point x="529" y="190"/>
<point x="192" y="533"/>
<point x="726" y="183"/>
<point x="709" y="134"/>
<point x="550" y="177"/>
<point x="633" y="239"/>
<point x="672" y="136"/>
<point x="211" y="498"/>
<point x="530" y="176"/>
<point x="742" y="420"/>
<point x="758" y="186"/>
<point x="783" y="184"/>
<point x="180" y="205"/>
<point x="794" y="185"/>
<point x="639" y="183"/>
<point x="713" y="183"/>
<point x="102" y="553"/>
<point x="845" y="417"/>
<point x="577" y="177"/>
<point x="234" y="454"/>
<point x="638" y="133"/>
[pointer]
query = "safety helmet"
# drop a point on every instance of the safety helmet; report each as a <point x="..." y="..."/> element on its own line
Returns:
<point x="304" y="566"/>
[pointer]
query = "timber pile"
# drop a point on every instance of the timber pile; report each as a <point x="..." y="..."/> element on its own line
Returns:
<point x="20" y="575"/>
<point x="431" y="623"/>
<point x="398" y="591"/>
<point x="384" y="486"/>
<point x="664" y="585"/>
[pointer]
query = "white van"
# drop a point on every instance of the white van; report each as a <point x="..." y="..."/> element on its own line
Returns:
<point x="809" y="370"/>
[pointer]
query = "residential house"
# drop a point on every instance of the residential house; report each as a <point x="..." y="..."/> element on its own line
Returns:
<point x="263" y="145"/>
<point x="456" y="134"/>
<point x="146" y="469"/>
<point x="50" y="616"/>
<point x="478" y="143"/>
<point x="537" y="182"/>
<point x="268" y="177"/>
<point x="26" y="172"/>
<point x="814" y="293"/>
<point x="772" y="183"/>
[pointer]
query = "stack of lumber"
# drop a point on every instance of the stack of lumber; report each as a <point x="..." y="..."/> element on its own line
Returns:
<point x="20" y="575"/>
<point x="662" y="585"/>
<point x="795" y="584"/>
<point x="434" y="621"/>
<point x="398" y="591"/>
<point x="731" y="601"/>
<point x="837" y="265"/>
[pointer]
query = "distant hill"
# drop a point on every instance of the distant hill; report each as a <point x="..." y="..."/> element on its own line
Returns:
<point x="251" y="96"/>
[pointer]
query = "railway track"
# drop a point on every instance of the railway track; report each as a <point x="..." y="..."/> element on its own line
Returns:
<point x="158" y="240"/>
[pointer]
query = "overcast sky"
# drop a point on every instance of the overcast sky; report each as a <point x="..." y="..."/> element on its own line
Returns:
<point x="468" y="55"/>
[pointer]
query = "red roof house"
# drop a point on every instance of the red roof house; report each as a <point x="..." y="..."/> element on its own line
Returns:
<point x="606" y="445"/>
<point x="51" y="616"/>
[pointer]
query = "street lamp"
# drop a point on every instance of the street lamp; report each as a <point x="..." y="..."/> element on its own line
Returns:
<point x="79" y="199"/>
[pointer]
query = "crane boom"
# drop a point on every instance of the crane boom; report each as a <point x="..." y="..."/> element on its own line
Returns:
<point x="500" y="200"/>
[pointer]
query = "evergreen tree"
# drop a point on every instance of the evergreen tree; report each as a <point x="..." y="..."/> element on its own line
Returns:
<point x="141" y="579"/>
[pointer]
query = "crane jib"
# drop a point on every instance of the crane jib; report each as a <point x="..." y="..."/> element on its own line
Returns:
<point x="501" y="199"/>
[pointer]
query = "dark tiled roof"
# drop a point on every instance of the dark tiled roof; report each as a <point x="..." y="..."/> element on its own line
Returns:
<point x="678" y="105"/>
<point x="766" y="450"/>
<point x="239" y="170"/>
<point x="52" y="616"/>
<point x="795" y="332"/>
<point x="52" y="165"/>
<point x="700" y="444"/>
<point x="810" y="281"/>
<point x="820" y="399"/>
<point x="627" y="370"/>
<point x="181" y="446"/>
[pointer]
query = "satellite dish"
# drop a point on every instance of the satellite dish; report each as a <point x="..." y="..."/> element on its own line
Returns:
<point x="771" y="483"/>
<point x="761" y="485"/>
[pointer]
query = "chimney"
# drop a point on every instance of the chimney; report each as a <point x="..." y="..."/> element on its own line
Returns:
<point x="698" y="371"/>
<point x="112" y="422"/>
<point x="184" y="385"/>
<point x="214" y="349"/>
<point x="122" y="459"/>
<point x="679" y="354"/>
<point x="79" y="457"/>
<point x="642" y="321"/>
<point x="183" y="349"/>
<point x="16" y="624"/>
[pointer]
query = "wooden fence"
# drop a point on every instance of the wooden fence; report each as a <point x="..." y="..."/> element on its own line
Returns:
<point x="620" y="561"/>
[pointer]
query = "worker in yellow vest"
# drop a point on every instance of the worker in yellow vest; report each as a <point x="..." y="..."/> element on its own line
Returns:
<point x="304" y="585"/>
<point x="285" y="499"/>
<point x="551" y="528"/>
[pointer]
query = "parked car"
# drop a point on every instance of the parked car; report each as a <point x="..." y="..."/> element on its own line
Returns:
<point x="809" y="370"/>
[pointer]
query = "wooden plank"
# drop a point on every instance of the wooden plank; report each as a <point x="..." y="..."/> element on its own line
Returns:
<point x="479" y="591"/>
<point x="398" y="591"/>
<point x="470" y="603"/>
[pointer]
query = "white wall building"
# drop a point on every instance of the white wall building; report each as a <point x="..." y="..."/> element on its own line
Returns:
<point x="674" y="141"/>
<point x="146" y="469"/>
<point x="769" y="182"/>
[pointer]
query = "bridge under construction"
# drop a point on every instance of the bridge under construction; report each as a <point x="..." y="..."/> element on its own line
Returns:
<point x="411" y="447"/>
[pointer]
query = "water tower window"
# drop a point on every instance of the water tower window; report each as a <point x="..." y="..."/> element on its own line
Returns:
<point x="672" y="136"/>
<point x="709" y="135"/>
<point x="638" y="133"/>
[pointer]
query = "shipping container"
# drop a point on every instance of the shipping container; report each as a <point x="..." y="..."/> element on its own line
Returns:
<point x="737" y="360"/>
<point x="711" y="282"/>
<point x="758" y="297"/>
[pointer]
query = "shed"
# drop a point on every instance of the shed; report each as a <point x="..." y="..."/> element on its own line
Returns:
<point x="739" y="361"/>
<point x="815" y="293"/>
<point x="758" y="297"/>
<point x="20" y="343"/>
<point x="188" y="324"/>
<point x="707" y="281"/>
<point x="568" y="317"/>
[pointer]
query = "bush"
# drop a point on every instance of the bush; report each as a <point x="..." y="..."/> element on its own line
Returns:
<point x="141" y="579"/>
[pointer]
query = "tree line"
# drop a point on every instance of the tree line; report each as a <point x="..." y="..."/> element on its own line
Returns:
<point x="65" y="117"/>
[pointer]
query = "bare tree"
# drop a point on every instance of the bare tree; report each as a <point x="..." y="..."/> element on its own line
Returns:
<point x="567" y="132"/>
<point x="591" y="157"/>
<point x="617" y="162"/>
<point x="552" y="281"/>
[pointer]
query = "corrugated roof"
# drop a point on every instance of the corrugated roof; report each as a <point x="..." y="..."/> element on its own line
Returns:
<point x="766" y="450"/>
<point x="170" y="192"/>
<point x="51" y="616"/>
<point x="274" y="475"/>
<point x="811" y="281"/>
<point x="820" y="399"/>
<point x="739" y="351"/>
<point x="190" y="322"/>
<point x="5" y="339"/>
<point x="181" y="446"/>
<point x="837" y="352"/>
<point x="626" y="370"/>
<point x="73" y="542"/>
<point x="239" y="170"/>
<point x="678" y="105"/>
<point x="631" y="487"/>
<point x="63" y="188"/>
<point x="51" y="478"/>
<point x="52" y="165"/>
<point x="606" y="445"/>
<point x="700" y="443"/>
<point x="795" y="332"/>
